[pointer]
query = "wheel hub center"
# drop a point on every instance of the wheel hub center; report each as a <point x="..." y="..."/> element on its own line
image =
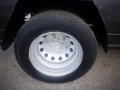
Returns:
<point x="55" y="48"/>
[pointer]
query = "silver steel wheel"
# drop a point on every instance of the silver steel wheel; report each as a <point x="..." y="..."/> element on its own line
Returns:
<point x="55" y="53"/>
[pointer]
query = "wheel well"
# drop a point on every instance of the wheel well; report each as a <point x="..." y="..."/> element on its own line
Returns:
<point x="85" y="9"/>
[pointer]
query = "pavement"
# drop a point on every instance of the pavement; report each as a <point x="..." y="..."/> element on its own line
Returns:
<point x="104" y="75"/>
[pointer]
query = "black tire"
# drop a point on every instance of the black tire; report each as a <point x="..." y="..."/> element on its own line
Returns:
<point x="64" y="22"/>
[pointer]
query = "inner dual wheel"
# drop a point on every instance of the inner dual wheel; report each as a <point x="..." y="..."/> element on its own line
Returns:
<point x="55" y="46"/>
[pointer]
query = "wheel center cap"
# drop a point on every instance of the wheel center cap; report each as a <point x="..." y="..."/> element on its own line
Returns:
<point x="56" y="47"/>
<point x="53" y="47"/>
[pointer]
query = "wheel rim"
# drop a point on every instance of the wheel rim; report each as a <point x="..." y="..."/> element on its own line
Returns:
<point x="55" y="53"/>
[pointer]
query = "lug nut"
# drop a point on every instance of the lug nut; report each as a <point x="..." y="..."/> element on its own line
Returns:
<point x="60" y="58"/>
<point x="66" y="55"/>
<point x="41" y="49"/>
<point x="44" y="36"/>
<point x="52" y="58"/>
<point x="71" y="43"/>
<point x="41" y="42"/>
<point x="46" y="55"/>
<point x="71" y="50"/>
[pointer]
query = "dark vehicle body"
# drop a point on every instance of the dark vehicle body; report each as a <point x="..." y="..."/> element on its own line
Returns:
<point x="106" y="12"/>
